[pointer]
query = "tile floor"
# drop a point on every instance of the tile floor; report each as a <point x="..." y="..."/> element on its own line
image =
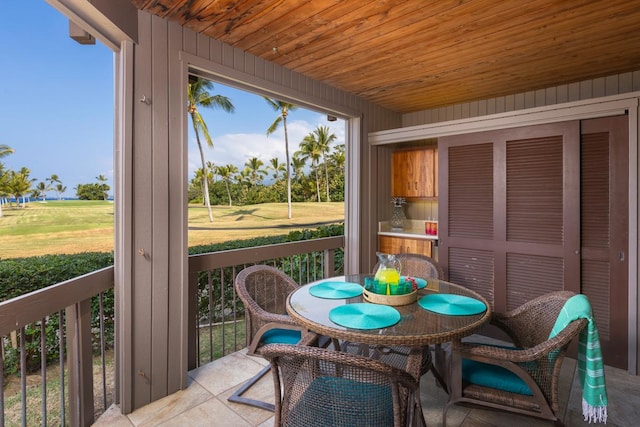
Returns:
<point x="204" y="402"/>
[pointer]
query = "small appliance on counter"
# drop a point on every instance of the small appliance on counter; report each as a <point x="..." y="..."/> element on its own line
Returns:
<point x="431" y="227"/>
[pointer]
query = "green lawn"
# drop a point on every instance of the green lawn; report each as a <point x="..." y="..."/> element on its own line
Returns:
<point x="72" y="226"/>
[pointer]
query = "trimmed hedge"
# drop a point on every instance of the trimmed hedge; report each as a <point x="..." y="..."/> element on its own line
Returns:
<point x="19" y="276"/>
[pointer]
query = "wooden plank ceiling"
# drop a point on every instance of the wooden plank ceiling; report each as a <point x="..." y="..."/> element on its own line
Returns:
<point x="419" y="54"/>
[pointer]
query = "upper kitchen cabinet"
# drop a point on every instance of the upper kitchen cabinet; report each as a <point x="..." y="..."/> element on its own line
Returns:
<point x="414" y="173"/>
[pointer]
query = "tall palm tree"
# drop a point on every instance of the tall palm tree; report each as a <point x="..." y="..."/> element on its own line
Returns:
<point x="198" y="96"/>
<point x="324" y="140"/>
<point x="226" y="173"/>
<point x="283" y="108"/>
<point x="310" y="150"/>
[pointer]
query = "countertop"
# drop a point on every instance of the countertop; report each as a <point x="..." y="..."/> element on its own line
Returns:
<point x="414" y="229"/>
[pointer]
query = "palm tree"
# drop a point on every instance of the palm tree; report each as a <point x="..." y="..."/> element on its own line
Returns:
<point x="103" y="186"/>
<point x="276" y="167"/>
<point x="226" y="173"/>
<point x="41" y="190"/>
<point x="199" y="176"/>
<point x="198" y="96"/>
<point x="254" y="168"/>
<point x="211" y="172"/>
<point x="54" y="179"/>
<point x="298" y="164"/>
<point x="310" y="150"/>
<point x="324" y="140"/>
<point x="283" y="109"/>
<point x="243" y="177"/>
<point x="19" y="184"/>
<point x="4" y="188"/>
<point x="60" y="189"/>
<point x="5" y="150"/>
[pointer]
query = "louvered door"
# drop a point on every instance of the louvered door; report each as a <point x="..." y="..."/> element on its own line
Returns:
<point x="510" y="207"/>
<point x="542" y="234"/>
<point x="604" y="230"/>
<point x="531" y="210"/>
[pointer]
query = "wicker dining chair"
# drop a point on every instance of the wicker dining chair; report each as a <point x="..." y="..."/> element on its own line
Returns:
<point x="413" y="265"/>
<point x="263" y="291"/>
<point x="522" y="378"/>
<point x="321" y="387"/>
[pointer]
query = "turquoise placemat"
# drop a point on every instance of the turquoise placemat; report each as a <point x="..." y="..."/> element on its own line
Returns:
<point x="336" y="290"/>
<point x="451" y="304"/>
<point x="364" y="316"/>
<point x="420" y="282"/>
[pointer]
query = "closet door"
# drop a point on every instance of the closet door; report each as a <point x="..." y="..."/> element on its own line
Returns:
<point x="604" y="228"/>
<point x="532" y="210"/>
<point x="509" y="212"/>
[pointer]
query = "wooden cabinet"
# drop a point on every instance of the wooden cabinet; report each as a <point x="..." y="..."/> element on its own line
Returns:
<point x="398" y="245"/>
<point x="414" y="173"/>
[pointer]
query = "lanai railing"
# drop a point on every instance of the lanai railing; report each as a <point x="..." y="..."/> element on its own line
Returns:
<point x="217" y="316"/>
<point x="80" y="329"/>
<point x="45" y="328"/>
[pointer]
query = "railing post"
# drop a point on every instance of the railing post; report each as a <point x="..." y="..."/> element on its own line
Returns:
<point x="80" y="363"/>
<point x="192" y="321"/>
<point x="329" y="263"/>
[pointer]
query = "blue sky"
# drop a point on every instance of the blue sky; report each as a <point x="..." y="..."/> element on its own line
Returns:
<point x="56" y="106"/>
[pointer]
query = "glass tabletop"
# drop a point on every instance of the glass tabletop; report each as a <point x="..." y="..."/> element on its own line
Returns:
<point x="417" y="326"/>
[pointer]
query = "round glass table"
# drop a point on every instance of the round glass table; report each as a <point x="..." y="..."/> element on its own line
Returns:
<point x="417" y="326"/>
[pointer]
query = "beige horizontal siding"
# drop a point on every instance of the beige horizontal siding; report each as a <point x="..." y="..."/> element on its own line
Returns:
<point x="587" y="89"/>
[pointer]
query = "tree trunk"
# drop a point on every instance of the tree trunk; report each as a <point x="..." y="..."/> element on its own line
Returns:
<point x="205" y="184"/>
<point x="326" y="172"/>
<point x="317" y="184"/>
<point x="226" y="183"/>
<point x="286" y="150"/>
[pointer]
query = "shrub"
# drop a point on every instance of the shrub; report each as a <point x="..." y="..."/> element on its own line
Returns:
<point x="19" y="276"/>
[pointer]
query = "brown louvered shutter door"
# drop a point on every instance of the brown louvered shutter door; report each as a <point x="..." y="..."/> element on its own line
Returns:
<point x="541" y="245"/>
<point x="604" y="225"/>
<point x="531" y="210"/>
<point x="509" y="223"/>
<point x="466" y="169"/>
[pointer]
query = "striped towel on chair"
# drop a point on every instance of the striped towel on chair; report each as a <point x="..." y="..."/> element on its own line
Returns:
<point x="590" y="364"/>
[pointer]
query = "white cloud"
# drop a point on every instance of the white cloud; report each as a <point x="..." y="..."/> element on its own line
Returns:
<point x="237" y="148"/>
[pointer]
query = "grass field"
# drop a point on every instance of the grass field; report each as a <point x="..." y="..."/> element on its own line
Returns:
<point x="72" y="226"/>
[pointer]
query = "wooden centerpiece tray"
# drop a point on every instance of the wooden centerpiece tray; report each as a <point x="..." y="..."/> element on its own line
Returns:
<point x="402" y="299"/>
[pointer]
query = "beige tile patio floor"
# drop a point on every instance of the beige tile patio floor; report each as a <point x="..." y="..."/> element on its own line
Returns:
<point x="204" y="402"/>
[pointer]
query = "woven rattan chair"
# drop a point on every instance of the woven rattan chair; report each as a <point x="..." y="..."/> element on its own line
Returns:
<point x="413" y="265"/>
<point x="320" y="387"/>
<point x="523" y="378"/>
<point x="263" y="290"/>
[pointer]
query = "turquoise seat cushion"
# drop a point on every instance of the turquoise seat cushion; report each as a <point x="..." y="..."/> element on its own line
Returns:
<point x="281" y="336"/>
<point x="331" y="401"/>
<point x="493" y="376"/>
